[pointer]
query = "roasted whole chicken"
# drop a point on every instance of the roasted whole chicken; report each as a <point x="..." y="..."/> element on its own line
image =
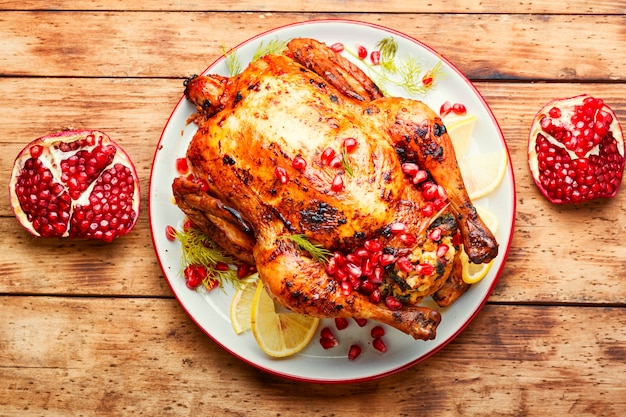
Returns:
<point x="349" y="203"/>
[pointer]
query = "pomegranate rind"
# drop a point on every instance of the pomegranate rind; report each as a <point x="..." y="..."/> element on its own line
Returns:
<point x="70" y="136"/>
<point x="567" y="106"/>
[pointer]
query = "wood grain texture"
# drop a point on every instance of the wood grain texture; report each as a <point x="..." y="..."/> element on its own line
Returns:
<point x="88" y="328"/>
<point x="74" y="44"/>
<point x="349" y="6"/>
<point x="145" y="357"/>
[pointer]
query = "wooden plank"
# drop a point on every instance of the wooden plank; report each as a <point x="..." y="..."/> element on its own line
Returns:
<point x="542" y="47"/>
<point x="395" y="6"/>
<point x="144" y="356"/>
<point x="576" y="253"/>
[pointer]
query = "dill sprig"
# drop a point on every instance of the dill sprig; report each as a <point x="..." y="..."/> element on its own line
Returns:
<point x="275" y="46"/>
<point x="233" y="64"/>
<point x="199" y="249"/>
<point x="317" y="252"/>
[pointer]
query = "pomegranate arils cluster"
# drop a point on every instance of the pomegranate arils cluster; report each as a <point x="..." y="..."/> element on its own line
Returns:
<point x="75" y="184"/>
<point x="576" y="150"/>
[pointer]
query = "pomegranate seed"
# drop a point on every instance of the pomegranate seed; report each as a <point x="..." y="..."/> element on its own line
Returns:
<point x="368" y="287"/>
<point x="298" y="163"/>
<point x="377" y="275"/>
<point x="354" y="352"/>
<point x="194" y="275"/>
<point x="442" y="250"/>
<point x="375" y="297"/>
<point x="410" y="169"/>
<point x="445" y="109"/>
<point x="221" y="266"/>
<point x="182" y="167"/>
<point x="331" y="266"/>
<point x="346" y="288"/>
<point x="336" y="162"/>
<point x="36" y="151"/>
<point x="428" y="79"/>
<point x="420" y="176"/>
<point x="393" y="303"/>
<point x="428" y="210"/>
<point x="353" y="270"/>
<point x="375" y="57"/>
<point x="379" y="345"/>
<point x="398" y="227"/>
<point x="349" y="144"/>
<point x="244" y="270"/>
<point x="459" y="109"/>
<point x="555" y="112"/>
<point x="377" y="331"/>
<point x="387" y="259"/>
<point x="435" y="234"/>
<point x="429" y="190"/>
<point x="328" y="343"/>
<point x="361" y="322"/>
<point x="281" y="174"/>
<point x="361" y="51"/>
<point x="425" y="269"/>
<point x="373" y="245"/>
<point x="327" y="156"/>
<point x="407" y="239"/>
<point x="337" y="47"/>
<point x="404" y="264"/>
<point x="341" y="323"/>
<point x="170" y="233"/>
<point x="337" y="184"/>
<point x="361" y="253"/>
<point x="327" y="333"/>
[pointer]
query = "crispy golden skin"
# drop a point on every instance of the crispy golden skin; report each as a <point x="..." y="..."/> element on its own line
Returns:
<point x="295" y="106"/>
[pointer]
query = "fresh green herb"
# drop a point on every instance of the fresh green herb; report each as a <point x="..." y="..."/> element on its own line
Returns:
<point x="275" y="46"/>
<point x="233" y="64"/>
<point x="199" y="249"/>
<point x="388" y="48"/>
<point x="400" y="71"/>
<point x="345" y="161"/>
<point x="317" y="252"/>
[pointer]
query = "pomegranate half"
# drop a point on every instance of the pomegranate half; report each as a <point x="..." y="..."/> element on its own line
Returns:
<point x="576" y="150"/>
<point x="77" y="184"/>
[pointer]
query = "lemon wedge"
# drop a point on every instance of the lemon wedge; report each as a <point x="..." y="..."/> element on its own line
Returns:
<point x="483" y="172"/>
<point x="473" y="273"/>
<point x="460" y="129"/>
<point x="279" y="334"/>
<point x="241" y="306"/>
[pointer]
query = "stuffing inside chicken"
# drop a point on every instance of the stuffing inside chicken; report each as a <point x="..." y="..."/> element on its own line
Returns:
<point x="304" y="147"/>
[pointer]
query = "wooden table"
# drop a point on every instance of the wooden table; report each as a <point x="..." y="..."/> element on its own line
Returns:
<point x="89" y="328"/>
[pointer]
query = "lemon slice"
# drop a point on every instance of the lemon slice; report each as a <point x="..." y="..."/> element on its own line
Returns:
<point x="483" y="172"/>
<point x="241" y="307"/>
<point x="279" y="334"/>
<point x="473" y="273"/>
<point x="460" y="129"/>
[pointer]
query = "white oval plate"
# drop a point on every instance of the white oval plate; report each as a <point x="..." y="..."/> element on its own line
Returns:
<point x="210" y="311"/>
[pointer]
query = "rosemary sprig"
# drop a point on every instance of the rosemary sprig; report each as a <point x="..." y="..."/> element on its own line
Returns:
<point x="317" y="252"/>
<point x="345" y="162"/>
